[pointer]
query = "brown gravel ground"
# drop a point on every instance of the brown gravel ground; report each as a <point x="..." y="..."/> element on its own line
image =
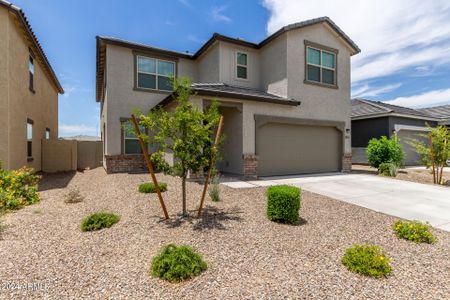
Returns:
<point x="420" y="176"/>
<point x="248" y="256"/>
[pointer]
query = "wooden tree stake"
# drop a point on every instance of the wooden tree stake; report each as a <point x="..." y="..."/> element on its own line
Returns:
<point x="149" y="166"/>
<point x="213" y="156"/>
<point x="432" y="157"/>
<point x="444" y="154"/>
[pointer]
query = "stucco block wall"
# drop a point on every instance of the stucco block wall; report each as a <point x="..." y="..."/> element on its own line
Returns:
<point x="4" y="87"/>
<point x="40" y="106"/>
<point x="208" y="68"/>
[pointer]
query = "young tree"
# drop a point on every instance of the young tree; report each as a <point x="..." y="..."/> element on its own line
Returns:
<point x="436" y="153"/>
<point x="186" y="132"/>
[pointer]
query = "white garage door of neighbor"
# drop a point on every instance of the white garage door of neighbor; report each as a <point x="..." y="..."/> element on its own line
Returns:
<point x="287" y="149"/>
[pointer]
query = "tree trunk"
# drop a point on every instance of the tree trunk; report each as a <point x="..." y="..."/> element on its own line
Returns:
<point x="183" y="187"/>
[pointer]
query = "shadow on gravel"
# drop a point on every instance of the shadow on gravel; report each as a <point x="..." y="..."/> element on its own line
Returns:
<point x="52" y="181"/>
<point x="212" y="219"/>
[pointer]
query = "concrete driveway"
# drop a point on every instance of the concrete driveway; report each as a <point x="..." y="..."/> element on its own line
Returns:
<point x="408" y="200"/>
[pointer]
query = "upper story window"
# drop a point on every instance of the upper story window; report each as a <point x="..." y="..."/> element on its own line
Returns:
<point x="154" y="73"/>
<point x="320" y="66"/>
<point x="31" y="73"/>
<point x="47" y="133"/>
<point x="241" y="65"/>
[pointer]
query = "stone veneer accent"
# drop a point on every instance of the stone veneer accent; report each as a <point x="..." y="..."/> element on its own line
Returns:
<point x="125" y="163"/>
<point x="250" y="166"/>
<point x="347" y="162"/>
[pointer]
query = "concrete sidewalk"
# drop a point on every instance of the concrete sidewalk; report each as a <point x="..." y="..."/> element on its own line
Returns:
<point x="404" y="199"/>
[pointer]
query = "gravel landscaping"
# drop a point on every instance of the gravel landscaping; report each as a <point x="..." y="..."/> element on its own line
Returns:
<point x="420" y="176"/>
<point x="248" y="256"/>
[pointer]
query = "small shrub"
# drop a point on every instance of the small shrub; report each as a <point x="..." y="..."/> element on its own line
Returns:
<point x="18" y="188"/>
<point x="214" y="189"/>
<point x="74" y="196"/>
<point x="37" y="211"/>
<point x="414" y="231"/>
<point x="388" y="169"/>
<point x="283" y="203"/>
<point x="149" y="187"/>
<point x="177" y="263"/>
<point x="99" y="221"/>
<point x="368" y="260"/>
<point x="385" y="150"/>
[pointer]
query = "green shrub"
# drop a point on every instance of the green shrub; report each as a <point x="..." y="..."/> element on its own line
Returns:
<point x="74" y="196"/>
<point x="149" y="187"/>
<point x="368" y="260"/>
<point x="385" y="150"/>
<point x="283" y="203"/>
<point x="99" y="221"/>
<point x="414" y="231"/>
<point x="18" y="188"/>
<point x="177" y="263"/>
<point x="214" y="189"/>
<point x="388" y="169"/>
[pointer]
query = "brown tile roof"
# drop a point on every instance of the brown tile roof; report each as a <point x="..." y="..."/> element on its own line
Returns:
<point x="441" y="112"/>
<point x="32" y="37"/>
<point x="368" y="108"/>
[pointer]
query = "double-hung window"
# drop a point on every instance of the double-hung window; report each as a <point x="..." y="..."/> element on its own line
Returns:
<point x="154" y="73"/>
<point x="30" y="139"/>
<point x="130" y="140"/>
<point x="241" y="65"/>
<point x="321" y="66"/>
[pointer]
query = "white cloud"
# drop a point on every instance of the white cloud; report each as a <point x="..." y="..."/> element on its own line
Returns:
<point x="76" y="129"/>
<point x="217" y="14"/>
<point x="393" y="35"/>
<point x="367" y="91"/>
<point x="427" y="99"/>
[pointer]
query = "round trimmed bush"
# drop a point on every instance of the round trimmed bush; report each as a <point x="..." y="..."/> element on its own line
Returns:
<point x="149" y="187"/>
<point x="368" y="260"/>
<point x="99" y="221"/>
<point x="177" y="263"/>
<point x="283" y="203"/>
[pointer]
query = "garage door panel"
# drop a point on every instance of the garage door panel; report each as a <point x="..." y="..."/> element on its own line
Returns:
<point x="295" y="149"/>
<point x="412" y="158"/>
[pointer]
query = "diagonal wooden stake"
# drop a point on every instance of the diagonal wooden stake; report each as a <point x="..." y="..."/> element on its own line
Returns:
<point x="430" y="141"/>
<point x="213" y="156"/>
<point x="149" y="165"/>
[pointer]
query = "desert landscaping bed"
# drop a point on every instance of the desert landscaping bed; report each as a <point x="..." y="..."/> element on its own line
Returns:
<point x="413" y="175"/>
<point x="248" y="256"/>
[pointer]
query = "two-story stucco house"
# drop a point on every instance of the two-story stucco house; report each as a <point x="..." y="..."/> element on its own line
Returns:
<point x="29" y="92"/>
<point x="285" y="100"/>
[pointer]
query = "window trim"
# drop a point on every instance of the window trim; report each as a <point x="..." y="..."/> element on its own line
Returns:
<point x="29" y="157"/>
<point x="156" y="58"/>
<point x="123" y="137"/>
<point x="236" y="65"/>
<point x="321" y="48"/>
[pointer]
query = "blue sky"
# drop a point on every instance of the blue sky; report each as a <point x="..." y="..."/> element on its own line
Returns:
<point x="405" y="44"/>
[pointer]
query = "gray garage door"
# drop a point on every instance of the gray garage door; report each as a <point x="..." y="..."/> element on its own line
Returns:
<point x="285" y="149"/>
<point x="411" y="156"/>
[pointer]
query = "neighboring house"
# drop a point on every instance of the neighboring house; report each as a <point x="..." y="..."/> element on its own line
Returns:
<point x="285" y="100"/>
<point x="442" y="113"/>
<point x="28" y="92"/>
<point x="373" y="119"/>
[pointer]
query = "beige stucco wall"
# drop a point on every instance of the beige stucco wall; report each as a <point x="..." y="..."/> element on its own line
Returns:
<point x="89" y="154"/>
<point x="121" y="98"/>
<point x="41" y="106"/>
<point x="4" y="88"/>
<point x="273" y="61"/>
<point x="228" y="65"/>
<point x="208" y="67"/>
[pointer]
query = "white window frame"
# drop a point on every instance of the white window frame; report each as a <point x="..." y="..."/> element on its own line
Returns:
<point x="239" y="65"/>
<point x="321" y="66"/>
<point x="155" y="74"/>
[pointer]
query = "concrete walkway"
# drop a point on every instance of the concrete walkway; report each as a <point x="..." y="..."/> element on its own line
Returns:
<point x="408" y="200"/>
